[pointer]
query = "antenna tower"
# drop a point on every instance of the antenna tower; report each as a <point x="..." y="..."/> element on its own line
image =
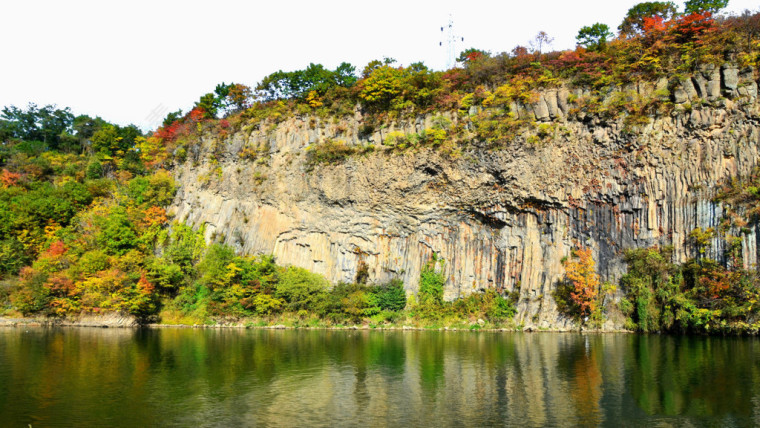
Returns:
<point x="450" y="39"/>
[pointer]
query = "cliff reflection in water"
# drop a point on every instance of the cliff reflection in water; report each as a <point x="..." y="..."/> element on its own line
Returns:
<point x="186" y="377"/>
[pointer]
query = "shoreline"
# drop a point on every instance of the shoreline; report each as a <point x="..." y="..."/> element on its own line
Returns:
<point x="131" y="323"/>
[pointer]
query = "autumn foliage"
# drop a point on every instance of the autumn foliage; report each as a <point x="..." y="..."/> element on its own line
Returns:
<point x="8" y="178"/>
<point x="83" y="224"/>
<point x="582" y="276"/>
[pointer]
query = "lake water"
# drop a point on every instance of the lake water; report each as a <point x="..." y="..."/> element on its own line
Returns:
<point x="219" y="377"/>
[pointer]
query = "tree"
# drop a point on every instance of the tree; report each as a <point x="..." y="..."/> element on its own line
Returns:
<point x="106" y="140"/>
<point x="172" y="117"/>
<point x="345" y="75"/>
<point x="85" y="127"/>
<point x="375" y="64"/>
<point x="238" y="97"/>
<point x="390" y="296"/>
<point x="541" y="41"/>
<point x="634" y="19"/>
<point x="298" y="84"/>
<point x="519" y="51"/>
<point x="381" y="86"/>
<point x="584" y="281"/>
<point x="469" y="55"/>
<point x="45" y="124"/>
<point x="594" y="37"/>
<point x="117" y="235"/>
<point x="698" y="6"/>
<point x="209" y="104"/>
<point x="432" y="281"/>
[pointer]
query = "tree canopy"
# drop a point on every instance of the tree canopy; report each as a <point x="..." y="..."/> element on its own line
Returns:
<point x="712" y="6"/>
<point x="47" y="124"/>
<point x="299" y="83"/>
<point x="634" y="19"/>
<point x="594" y="37"/>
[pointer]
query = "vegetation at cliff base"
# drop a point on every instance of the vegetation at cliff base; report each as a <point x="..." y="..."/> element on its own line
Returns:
<point x="698" y="296"/>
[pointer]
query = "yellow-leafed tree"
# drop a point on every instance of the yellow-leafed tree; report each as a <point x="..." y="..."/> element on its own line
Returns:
<point x="581" y="274"/>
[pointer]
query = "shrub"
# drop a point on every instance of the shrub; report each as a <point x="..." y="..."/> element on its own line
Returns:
<point x="155" y="190"/>
<point x="117" y="235"/>
<point x="331" y="151"/>
<point x="265" y="304"/>
<point x="432" y="280"/>
<point x="353" y="302"/>
<point x="12" y="257"/>
<point x="390" y="296"/>
<point x="31" y="296"/>
<point x="94" y="170"/>
<point x="497" y="307"/>
<point x="653" y="289"/>
<point x="489" y="304"/>
<point x="301" y="289"/>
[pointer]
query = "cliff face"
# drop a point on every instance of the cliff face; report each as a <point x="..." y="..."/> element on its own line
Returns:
<point x="501" y="218"/>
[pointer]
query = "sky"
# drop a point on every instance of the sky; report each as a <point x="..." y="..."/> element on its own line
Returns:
<point x="135" y="61"/>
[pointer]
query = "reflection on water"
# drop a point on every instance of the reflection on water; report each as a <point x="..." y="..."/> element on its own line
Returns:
<point x="187" y="377"/>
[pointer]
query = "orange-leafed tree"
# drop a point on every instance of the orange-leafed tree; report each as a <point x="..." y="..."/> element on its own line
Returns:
<point x="154" y="216"/>
<point x="580" y="272"/>
<point x="8" y="178"/>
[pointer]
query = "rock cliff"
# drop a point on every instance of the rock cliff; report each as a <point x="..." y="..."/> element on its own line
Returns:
<point x="501" y="218"/>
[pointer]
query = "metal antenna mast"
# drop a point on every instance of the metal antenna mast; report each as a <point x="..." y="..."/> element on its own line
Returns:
<point x="448" y="36"/>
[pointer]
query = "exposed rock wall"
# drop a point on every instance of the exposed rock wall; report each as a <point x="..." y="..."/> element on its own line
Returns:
<point x="501" y="218"/>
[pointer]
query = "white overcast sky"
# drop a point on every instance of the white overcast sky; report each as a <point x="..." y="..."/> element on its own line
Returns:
<point x="130" y="62"/>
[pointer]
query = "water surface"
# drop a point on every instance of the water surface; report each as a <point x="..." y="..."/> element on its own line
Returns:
<point x="193" y="377"/>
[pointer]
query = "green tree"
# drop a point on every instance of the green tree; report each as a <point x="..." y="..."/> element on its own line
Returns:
<point x="345" y="75"/>
<point x="299" y="83"/>
<point x="214" y="264"/>
<point x="45" y="124"/>
<point x="210" y="103"/>
<point x="390" y="296"/>
<point x="432" y="281"/>
<point x="155" y="190"/>
<point x="106" y="140"/>
<point x="301" y="289"/>
<point x="12" y="257"/>
<point x="117" y="235"/>
<point x="172" y="117"/>
<point x="697" y="6"/>
<point x="185" y="247"/>
<point x="634" y="19"/>
<point x="594" y="37"/>
<point x="652" y="285"/>
<point x="85" y="126"/>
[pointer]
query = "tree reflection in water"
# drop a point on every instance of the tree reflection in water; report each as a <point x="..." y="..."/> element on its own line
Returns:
<point x="185" y="377"/>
